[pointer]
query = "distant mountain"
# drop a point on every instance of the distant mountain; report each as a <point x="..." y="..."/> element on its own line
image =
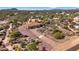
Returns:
<point x="38" y="8"/>
<point x="25" y="8"/>
<point x="12" y="9"/>
<point x="34" y="8"/>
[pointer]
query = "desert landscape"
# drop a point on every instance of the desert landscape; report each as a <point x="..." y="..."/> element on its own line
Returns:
<point x="39" y="30"/>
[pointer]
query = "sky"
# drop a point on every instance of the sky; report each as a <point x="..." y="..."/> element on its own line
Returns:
<point x="39" y="3"/>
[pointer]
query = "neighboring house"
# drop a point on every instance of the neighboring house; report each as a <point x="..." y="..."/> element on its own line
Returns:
<point x="76" y="26"/>
<point x="76" y="19"/>
<point x="25" y="28"/>
<point x="32" y="23"/>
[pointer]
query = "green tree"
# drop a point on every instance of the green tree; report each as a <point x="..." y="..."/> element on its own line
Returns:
<point x="32" y="47"/>
<point x="59" y="35"/>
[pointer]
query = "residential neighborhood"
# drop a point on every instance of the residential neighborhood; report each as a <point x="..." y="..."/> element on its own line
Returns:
<point x="39" y="30"/>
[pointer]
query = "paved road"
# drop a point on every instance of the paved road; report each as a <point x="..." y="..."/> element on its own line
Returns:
<point x="68" y="44"/>
<point x="75" y="48"/>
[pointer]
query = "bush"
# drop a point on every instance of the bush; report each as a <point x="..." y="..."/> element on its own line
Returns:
<point x="32" y="47"/>
<point x="56" y="31"/>
<point x="59" y="35"/>
<point x="1" y="28"/>
<point x="65" y="26"/>
<point x="17" y="48"/>
<point x="14" y="21"/>
<point x="14" y="34"/>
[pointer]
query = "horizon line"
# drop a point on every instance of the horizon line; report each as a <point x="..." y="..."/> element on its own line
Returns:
<point x="36" y="8"/>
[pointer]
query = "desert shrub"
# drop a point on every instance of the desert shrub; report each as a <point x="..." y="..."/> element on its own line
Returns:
<point x="32" y="47"/>
<point x="14" y="34"/>
<point x="58" y="34"/>
<point x="65" y="26"/>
